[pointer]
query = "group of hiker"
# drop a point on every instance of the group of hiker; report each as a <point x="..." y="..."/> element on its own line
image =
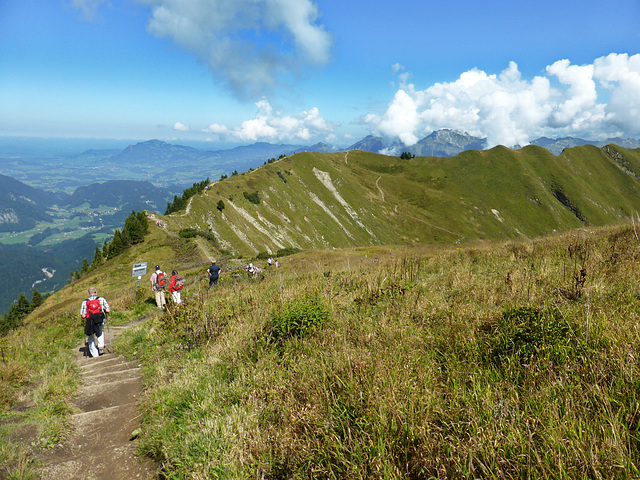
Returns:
<point x="94" y="309"/>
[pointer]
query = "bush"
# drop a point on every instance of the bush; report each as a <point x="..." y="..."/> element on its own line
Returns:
<point x="527" y="334"/>
<point x="283" y="252"/>
<point x="193" y="232"/>
<point x="252" y="197"/>
<point x="188" y="233"/>
<point x="191" y="324"/>
<point x="297" y="318"/>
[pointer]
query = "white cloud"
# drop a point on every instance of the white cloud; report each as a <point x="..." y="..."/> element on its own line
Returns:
<point x="620" y="74"/>
<point x="581" y="93"/>
<point x="89" y="8"/>
<point x="216" y="129"/>
<point x="248" y="45"/>
<point x="509" y="110"/>
<point x="181" y="127"/>
<point x="397" y="67"/>
<point x="269" y="125"/>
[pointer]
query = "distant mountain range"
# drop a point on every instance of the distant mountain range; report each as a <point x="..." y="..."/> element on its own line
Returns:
<point x="449" y="143"/>
<point x="175" y="166"/>
<point x="441" y="143"/>
<point x="164" y="154"/>
<point x="557" y="145"/>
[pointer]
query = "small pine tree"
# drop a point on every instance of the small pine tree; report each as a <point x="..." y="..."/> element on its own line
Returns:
<point x="85" y="266"/>
<point x="133" y="228"/>
<point x="24" y="305"/>
<point x="144" y="223"/>
<point x="36" y="298"/>
<point x="97" y="258"/>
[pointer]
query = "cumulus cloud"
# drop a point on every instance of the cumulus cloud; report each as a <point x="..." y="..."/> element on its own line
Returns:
<point x="180" y="127"/>
<point x="510" y="110"/>
<point x="620" y="74"/>
<point x="248" y="45"/>
<point x="268" y="125"/>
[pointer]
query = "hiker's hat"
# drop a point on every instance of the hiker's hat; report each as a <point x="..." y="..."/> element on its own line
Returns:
<point x="157" y="267"/>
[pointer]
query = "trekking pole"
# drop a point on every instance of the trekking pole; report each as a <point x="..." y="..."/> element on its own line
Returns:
<point x="110" y="350"/>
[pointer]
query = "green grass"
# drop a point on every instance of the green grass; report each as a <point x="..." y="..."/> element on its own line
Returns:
<point x="378" y="200"/>
<point x="37" y="372"/>
<point x="471" y="362"/>
<point x="486" y="359"/>
<point x="498" y="360"/>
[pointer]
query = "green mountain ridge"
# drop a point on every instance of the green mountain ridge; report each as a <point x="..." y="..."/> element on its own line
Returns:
<point x="324" y="200"/>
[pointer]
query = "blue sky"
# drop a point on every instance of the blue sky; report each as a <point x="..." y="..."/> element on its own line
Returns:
<point x="302" y="71"/>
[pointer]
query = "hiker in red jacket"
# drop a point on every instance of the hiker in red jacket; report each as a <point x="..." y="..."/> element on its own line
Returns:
<point x="176" y="282"/>
<point x="159" y="282"/>
<point x="93" y="311"/>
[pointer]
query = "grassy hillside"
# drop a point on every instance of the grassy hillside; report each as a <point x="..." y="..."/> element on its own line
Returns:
<point x="487" y="359"/>
<point x="494" y="360"/>
<point x="325" y="200"/>
<point x="505" y="360"/>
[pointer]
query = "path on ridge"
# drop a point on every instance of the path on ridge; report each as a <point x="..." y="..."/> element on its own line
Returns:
<point x="99" y="446"/>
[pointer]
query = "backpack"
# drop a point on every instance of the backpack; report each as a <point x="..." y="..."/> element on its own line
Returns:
<point x="179" y="282"/>
<point x="94" y="317"/>
<point x="161" y="281"/>
<point x="93" y="307"/>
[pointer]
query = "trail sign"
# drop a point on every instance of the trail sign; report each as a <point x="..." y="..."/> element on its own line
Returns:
<point x="139" y="269"/>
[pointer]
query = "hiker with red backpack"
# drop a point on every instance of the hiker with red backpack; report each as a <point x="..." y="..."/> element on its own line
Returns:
<point x="159" y="282"/>
<point x="93" y="312"/>
<point x="176" y="282"/>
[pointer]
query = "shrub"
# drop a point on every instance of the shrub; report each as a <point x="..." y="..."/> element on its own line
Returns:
<point x="191" y="324"/>
<point x="297" y="318"/>
<point x="283" y="252"/>
<point x="252" y="197"/>
<point x="193" y="232"/>
<point x="527" y="334"/>
<point x="188" y="233"/>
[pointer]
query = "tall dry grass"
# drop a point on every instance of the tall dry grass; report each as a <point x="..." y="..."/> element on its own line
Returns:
<point x="511" y="360"/>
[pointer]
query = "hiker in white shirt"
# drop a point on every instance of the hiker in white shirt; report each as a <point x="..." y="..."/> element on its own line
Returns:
<point x="159" y="282"/>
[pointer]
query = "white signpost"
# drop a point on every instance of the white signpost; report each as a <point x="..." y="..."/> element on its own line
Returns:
<point x="139" y="269"/>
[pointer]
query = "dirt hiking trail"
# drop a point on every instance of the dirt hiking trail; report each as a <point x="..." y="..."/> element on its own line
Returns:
<point x="100" y="444"/>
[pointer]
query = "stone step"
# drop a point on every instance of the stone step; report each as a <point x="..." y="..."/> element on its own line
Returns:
<point x="112" y="376"/>
<point x="95" y="435"/>
<point x="104" y="395"/>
